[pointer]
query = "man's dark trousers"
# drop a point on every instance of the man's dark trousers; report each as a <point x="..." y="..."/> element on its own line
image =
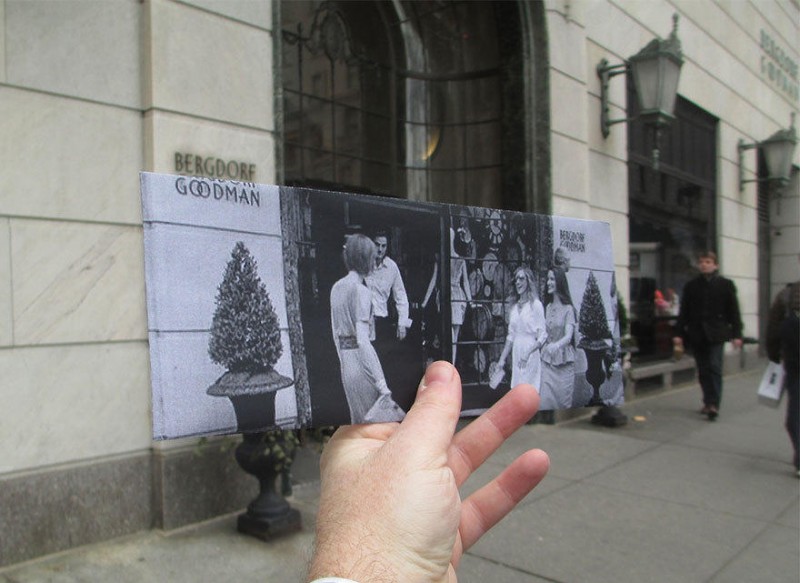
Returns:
<point x="709" y="371"/>
<point x="397" y="358"/>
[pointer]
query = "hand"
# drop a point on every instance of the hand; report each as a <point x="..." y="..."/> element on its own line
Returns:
<point x="677" y="341"/>
<point x="737" y="343"/>
<point x="390" y="507"/>
<point x="401" y="332"/>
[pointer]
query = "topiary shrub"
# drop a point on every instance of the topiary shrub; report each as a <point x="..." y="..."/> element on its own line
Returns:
<point x="245" y="333"/>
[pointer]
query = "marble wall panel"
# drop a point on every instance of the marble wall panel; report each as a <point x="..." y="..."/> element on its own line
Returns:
<point x="170" y="134"/>
<point x="783" y="17"/>
<point x="785" y="208"/>
<point x="747" y="291"/>
<point x="256" y="13"/>
<point x="785" y="269"/>
<point x="69" y="159"/>
<point x="90" y="49"/>
<point x="76" y="282"/>
<point x="569" y="207"/>
<point x="565" y="34"/>
<point x="610" y="26"/>
<point x="2" y="42"/>
<point x="608" y="178"/>
<point x="737" y="220"/>
<point x="568" y="106"/>
<point x="6" y="307"/>
<point x="67" y="403"/>
<point x="737" y="258"/>
<point x="570" y="167"/>
<point x="209" y="66"/>
<point x="728" y="184"/>
<point x="573" y="11"/>
<point x="785" y="241"/>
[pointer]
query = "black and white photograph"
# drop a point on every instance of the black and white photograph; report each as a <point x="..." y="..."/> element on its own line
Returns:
<point x="217" y="321"/>
<point x="370" y="301"/>
<point x="532" y="301"/>
<point x="287" y="307"/>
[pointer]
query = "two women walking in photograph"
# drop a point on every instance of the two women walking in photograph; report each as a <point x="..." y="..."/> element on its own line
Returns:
<point x="540" y="340"/>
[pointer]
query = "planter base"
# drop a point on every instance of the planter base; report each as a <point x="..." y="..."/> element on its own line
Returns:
<point x="269" y="528"/>
<point x="609" y="416"/>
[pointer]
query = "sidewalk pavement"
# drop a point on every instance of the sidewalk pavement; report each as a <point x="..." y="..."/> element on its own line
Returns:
<point x="669" y="497"/>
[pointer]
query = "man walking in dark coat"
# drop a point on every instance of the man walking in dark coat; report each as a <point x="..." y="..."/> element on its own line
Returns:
<point x="709" y="317"/>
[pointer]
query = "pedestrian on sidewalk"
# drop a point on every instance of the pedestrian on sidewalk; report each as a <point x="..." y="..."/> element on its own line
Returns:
<point x="783" y="345"/>
<point x="709" y="316"/>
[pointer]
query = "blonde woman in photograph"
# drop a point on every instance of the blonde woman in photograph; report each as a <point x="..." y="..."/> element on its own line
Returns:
<point x="526" y="331"/>
<point x="351" y="314"/>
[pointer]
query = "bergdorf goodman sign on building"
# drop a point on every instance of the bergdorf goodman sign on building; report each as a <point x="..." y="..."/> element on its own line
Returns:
<point x="778" y="67"/>
<point x="213" y="167"/>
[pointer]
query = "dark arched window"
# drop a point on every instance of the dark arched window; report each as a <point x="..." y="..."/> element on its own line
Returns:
<point x="418" y="100"/>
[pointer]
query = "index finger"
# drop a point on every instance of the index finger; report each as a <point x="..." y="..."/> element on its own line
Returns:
<point x="477" y="441"/>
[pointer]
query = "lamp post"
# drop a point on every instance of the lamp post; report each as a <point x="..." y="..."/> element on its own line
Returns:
<point x="655" y="70"/>
<point x="778" y="152"/>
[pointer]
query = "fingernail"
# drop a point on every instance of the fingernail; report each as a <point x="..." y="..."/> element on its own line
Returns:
<point x="438" y="372"/>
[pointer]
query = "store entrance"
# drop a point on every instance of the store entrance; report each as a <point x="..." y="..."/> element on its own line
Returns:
<point x="672" y="217"/>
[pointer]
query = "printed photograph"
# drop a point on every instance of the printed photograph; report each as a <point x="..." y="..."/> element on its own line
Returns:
<point x="217" y="320"/>
<point x="369" y="296"/>
<point x="286" y="307"/>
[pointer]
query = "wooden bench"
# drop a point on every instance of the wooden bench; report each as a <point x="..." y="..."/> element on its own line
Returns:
<point x="664" y="370"/>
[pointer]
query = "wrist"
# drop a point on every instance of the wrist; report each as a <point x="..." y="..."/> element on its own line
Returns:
<point x="339" y="561"/>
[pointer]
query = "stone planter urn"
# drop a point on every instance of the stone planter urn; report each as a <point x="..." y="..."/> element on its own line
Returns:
<point x="596" y="373"/>
<point x="262" y="454"/>
<point x="252" y="396"/>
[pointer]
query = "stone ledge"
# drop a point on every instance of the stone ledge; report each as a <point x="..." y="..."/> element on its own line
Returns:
<point x="48" y="511"/>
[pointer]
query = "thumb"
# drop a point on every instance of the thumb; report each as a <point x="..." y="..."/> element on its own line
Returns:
<point x="431" y="421"/>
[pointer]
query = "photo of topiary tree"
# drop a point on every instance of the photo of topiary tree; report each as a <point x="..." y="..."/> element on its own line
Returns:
<point x="594" y="330"/>
<point x="245" y="334"/>
<point x="246" y="339"/>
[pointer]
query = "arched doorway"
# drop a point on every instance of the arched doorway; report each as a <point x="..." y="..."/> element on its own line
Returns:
<point x="418" y="100"/>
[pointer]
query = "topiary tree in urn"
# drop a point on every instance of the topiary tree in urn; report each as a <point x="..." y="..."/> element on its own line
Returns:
<point x="593" y="326"/>
<point x="246" y="340"/>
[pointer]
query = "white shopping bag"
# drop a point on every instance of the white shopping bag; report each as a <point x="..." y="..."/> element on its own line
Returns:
<point x="770" y="390"/>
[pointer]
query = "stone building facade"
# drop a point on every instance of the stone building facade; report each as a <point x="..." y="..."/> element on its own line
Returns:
<point x="92" y="92"/>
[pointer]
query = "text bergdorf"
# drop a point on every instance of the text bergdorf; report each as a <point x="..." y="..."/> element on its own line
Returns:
<point x="214" y="167"/>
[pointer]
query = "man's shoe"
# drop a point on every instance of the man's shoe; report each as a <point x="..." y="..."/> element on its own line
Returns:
<point x="712" y="413"/>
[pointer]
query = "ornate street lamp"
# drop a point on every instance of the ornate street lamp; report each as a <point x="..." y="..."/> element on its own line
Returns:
<point x="655" y="70"/>
<point x="778" y="152"/>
